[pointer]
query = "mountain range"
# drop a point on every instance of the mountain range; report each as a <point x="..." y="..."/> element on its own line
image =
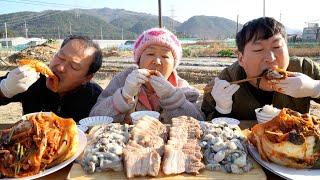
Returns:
<point x="106" y="23"/>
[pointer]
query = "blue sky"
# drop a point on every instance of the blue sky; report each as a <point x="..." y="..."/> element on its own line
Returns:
<point x="293" y="13"/>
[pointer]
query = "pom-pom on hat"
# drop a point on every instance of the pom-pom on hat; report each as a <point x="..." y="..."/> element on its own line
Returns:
<point x="161" y="37"/>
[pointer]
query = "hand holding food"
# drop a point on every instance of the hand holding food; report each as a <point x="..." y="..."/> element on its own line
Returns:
<point x="275" y="74"/>
<point x="270" y="77"/>
<point x="134" y="81"/>
<point x="161" y="86"/>
<point x="18" y="81"/>
<point x="299" y="85"/>
<point x="42" y="68"/>
<point x="222" y="92"/>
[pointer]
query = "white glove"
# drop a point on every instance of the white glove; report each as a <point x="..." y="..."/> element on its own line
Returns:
<point x="133" y="82"/>
<point x="222" y="93"/>
<point x="161" y="86"/>
<point x="18" y="81"/>
<point x="299" y="85"/>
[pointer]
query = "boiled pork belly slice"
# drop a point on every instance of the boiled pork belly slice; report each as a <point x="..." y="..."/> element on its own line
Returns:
<point x="140" y="161"/>
<point x="183" y="152"/>
<point x="174" y="160"/>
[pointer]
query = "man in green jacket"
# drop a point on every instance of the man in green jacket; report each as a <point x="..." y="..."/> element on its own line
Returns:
<point x="262" y="45"/>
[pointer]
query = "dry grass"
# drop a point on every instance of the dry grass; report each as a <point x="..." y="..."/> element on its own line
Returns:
<point x="305" y="51"/>
<point x="204" y="49"/>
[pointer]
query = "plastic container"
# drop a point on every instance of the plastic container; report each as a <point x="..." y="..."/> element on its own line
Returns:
<point x="266" y="113"/>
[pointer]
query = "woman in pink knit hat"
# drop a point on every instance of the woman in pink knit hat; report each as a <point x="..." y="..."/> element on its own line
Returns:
<point x="153" y="85"/>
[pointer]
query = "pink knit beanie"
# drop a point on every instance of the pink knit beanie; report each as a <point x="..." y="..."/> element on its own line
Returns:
<point x="161" y="37"/>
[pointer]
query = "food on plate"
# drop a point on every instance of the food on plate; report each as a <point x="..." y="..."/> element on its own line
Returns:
<point x="275" y="74"/>
<point x="289" y="139"/>
<point x="43" y="69"/>
<point x="224" y="148"/>
<point x="142" y="154"/>
<point x="105" y="148"/>
<point x="41" y="141"/>
<point x="182" y="153"/>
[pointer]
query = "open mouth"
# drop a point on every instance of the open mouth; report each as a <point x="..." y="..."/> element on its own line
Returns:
<point x="54" y="81"/>
<point x="275" y="74"/>
<point x="57" y="76"/>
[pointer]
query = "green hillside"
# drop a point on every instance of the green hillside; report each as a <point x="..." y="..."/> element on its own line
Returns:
<point x="114" y="23"/>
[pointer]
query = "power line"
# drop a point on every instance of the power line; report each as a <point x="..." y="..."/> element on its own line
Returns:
<point x="41" y="3"/>
<point x="21" y="17"/>
<point x="15" y="23"/>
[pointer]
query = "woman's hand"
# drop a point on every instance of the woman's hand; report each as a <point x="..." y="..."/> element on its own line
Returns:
<point x="133" y="82"/>
<point x="161" y="86"/>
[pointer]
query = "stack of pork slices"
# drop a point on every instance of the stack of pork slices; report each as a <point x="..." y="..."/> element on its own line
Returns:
<point x="142" y="154"/>
<point x="182" y="152"/>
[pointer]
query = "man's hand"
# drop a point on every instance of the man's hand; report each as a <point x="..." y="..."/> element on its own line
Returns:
<point x="161" y="86"/>
<point x="133" y="82"/>
<point x="18" y="81"/>
<point x="222" y="92"/>
<point x="299" y="85"/>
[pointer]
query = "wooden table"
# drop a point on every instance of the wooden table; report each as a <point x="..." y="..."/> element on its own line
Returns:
<point x="63" y="173"/>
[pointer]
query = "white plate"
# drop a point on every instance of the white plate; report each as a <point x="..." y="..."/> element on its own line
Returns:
<point x="82" y="127"/>
<point x="82" y="144"/>
<point x="227" y="120"/>
<point x="285" y="172"/>
<point x="96" y="120"/>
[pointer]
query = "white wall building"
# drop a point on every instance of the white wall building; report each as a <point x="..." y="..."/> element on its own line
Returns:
<point x="109" y="43"/>
<point x="311" y="33"/>
<point x="16" y="41"/>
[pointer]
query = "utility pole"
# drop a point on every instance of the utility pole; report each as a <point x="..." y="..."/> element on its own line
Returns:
<point x="25" y="27"/>
<point x="122" y="33"/>
<point x="5" y="27"/>
<point x="237" y="24"/>
<point x="172" y="18"/>
<point x="101" y="33"/>
<point x="264" y="8"/>
<point x="160" y="15"/>
<point x="280" y="16"/>
<point x="58" y="32"/>
<point x="70" y="30"/>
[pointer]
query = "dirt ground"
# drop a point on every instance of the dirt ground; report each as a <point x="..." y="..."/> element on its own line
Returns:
<point x="12" y="112"/>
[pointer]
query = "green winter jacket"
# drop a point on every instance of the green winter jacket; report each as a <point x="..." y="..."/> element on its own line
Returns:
<point x="244" y="103"/>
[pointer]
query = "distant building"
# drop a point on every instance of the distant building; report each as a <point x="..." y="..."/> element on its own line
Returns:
<point x="36" y="41"/>
<point x="109" y="43"/>
<point x="188" y="40"/>
<point x="21" y="41"/>
<point x="311" y="33"/>
<point x="294" y="38"/>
